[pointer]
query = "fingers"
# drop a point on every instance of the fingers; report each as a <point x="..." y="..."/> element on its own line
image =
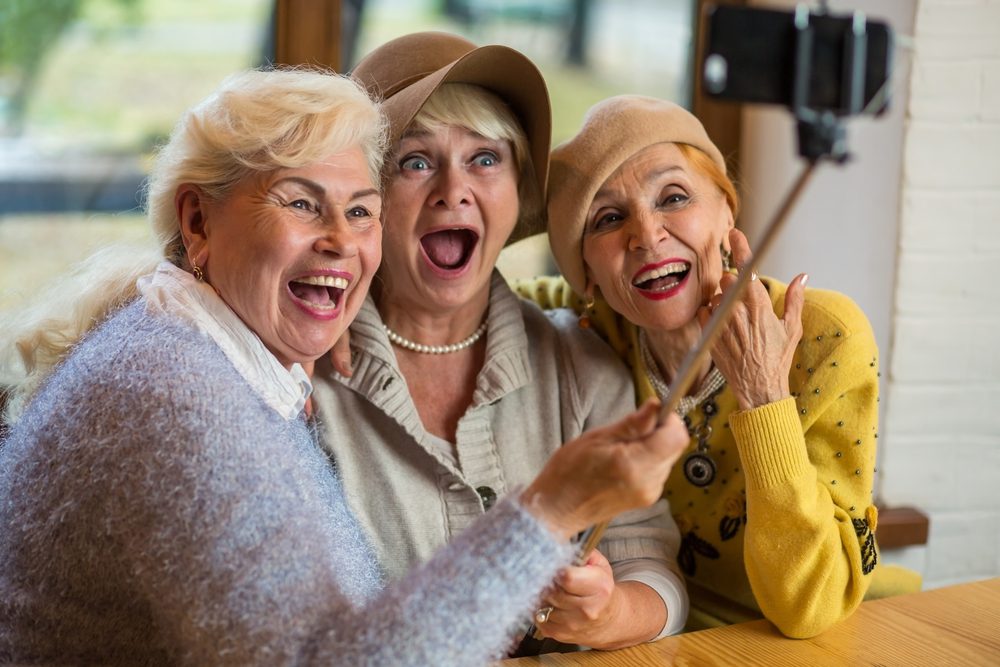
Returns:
<point x="579" y="596"/>
<point x="340" y="355"/>
<point x="742" y="256"/>
<point x="795" y="297"/>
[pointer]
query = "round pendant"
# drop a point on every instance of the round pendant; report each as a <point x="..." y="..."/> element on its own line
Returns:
<point x="699" y="469"/>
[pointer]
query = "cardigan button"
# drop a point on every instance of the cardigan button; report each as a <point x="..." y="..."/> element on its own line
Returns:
<point x="488" y="496"/>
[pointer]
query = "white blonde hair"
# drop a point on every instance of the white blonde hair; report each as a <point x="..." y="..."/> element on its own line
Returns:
<point x="256" y="121"/>
<point x="481" y="111"/>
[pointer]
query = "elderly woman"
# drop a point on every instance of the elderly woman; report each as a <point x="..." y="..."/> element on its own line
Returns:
<point x="773" y="498"/>
<point x="163" y="499"/>
<point x="460" y="390"/>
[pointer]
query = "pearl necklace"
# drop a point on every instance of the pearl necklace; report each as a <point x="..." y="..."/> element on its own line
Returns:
<point x="434" y="349"/>
<point x="710" y="386"/>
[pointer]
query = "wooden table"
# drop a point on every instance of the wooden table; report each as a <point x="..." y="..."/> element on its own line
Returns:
<point x="957" y="625"/>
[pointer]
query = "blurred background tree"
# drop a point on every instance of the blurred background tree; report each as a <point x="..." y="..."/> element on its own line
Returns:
<point x="28" y="31"/>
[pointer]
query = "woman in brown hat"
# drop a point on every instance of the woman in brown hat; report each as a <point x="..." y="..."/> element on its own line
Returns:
<point x="773" y="499"/>
<point x="460" y="391"/>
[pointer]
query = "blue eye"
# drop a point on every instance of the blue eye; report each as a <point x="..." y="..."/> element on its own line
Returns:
<point x="415" y="163"/>
<point x="486" y="159"/>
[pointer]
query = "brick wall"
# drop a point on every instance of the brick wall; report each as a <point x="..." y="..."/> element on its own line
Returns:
<point x="942" y="418"/>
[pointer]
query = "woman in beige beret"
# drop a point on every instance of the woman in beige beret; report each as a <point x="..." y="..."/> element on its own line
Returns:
<point x="773" y="499"/>
<point x="460" y="391"/>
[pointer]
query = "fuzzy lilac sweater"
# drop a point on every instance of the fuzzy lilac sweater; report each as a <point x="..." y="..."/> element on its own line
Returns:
<point x="155" y="511"/>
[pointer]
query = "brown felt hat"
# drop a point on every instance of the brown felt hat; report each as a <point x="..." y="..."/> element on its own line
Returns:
<point x="406" y="71"/>
<point x="613" y="131"/>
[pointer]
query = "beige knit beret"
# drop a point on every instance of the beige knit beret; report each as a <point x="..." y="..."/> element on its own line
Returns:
<point x="613" y="131"/>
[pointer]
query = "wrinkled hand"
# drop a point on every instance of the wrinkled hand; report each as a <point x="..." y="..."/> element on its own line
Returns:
<point x="755" y="348"/>
<point x="340" y="355"/>
<point x="606" y="471"/>
<point x="589" y="608"/>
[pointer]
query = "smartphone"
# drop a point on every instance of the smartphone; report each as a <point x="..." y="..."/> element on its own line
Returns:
<point x="826" y="62"/>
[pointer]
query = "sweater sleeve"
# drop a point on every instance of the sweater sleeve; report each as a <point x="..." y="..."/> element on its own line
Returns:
<point x="246" y="556"/>
<point x="809" y="466"/>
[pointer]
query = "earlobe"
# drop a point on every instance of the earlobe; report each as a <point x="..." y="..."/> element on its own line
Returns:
<point x="189" y="203"/>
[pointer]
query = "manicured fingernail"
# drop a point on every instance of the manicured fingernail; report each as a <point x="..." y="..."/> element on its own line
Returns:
<point x="805" y="279"/>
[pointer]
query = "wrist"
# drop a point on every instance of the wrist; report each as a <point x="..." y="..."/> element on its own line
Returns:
<point x="770" y="393"/>
<point x="538" y="503"/>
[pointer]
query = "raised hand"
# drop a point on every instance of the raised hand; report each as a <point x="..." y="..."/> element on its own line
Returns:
<point x="755" y="348"/>
<point x="606" y="471"/>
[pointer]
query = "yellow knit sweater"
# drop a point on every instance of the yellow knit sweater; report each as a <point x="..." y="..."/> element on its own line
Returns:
<point x="787" y="526"/>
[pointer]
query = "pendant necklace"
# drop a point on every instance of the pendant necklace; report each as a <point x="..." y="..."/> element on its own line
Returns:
<point x="699" y="468"/>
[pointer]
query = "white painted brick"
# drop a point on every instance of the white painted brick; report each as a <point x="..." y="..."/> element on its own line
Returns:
<point x="907" y="478"/>
<point x="946" y="91"/>
<point x="958" y="18"/>
<point x="914" y="558"/>
<point x="946" y="349"/>
<point x="945" y="156"/>
<point x="955" y="411"/>
<point x="950" y="222"/>
<point x="930" y="285"/>
<point x="917" y="472"/>
<point x="934" y="48"/>
<point x="962" y="544"/>
<point x="997" y="569"/>
<point x="991" y="91"/>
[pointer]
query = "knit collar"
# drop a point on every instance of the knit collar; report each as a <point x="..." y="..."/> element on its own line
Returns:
<point x="508" y="364"/>
<point x="174" y="292"/>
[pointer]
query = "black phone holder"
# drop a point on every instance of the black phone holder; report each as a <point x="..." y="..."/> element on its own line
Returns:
<point x="821" y="133"/>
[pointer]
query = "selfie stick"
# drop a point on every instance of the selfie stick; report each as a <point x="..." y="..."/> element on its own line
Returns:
<point x="821" y="135"/>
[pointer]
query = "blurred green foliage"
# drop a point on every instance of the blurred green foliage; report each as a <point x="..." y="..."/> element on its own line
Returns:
<point x="29" y="29"/>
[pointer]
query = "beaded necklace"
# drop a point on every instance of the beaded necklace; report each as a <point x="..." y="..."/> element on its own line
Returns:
<point x="435" y="349"/>
<point x="699" y="468"/>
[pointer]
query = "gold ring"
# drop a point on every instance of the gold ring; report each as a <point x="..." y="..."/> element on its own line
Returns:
<point x="542" y="615"/>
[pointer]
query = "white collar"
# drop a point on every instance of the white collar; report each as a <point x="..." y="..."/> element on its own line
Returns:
<point x="172" y="291"/>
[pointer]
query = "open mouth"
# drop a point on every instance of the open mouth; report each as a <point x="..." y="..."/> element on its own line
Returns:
<point x="449" y="249"/>
<point x="319" y="292"/>
<point x="662" y="278"/>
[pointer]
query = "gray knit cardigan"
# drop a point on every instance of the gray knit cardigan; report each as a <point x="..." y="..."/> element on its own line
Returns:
<point x="153" y="510"/>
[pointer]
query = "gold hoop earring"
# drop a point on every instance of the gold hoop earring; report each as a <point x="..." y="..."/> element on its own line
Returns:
<point x="584" y="320"/>
<point x="199" y="275"/>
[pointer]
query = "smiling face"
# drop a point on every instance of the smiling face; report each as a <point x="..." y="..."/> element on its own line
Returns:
<point x="451" y="204"/>
<point x="652" y="238"/>
<point x="291" y="251"/>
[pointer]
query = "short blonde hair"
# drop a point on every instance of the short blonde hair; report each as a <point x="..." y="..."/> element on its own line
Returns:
<point x="255" y="121"/>
<point x="477" y="109"/>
